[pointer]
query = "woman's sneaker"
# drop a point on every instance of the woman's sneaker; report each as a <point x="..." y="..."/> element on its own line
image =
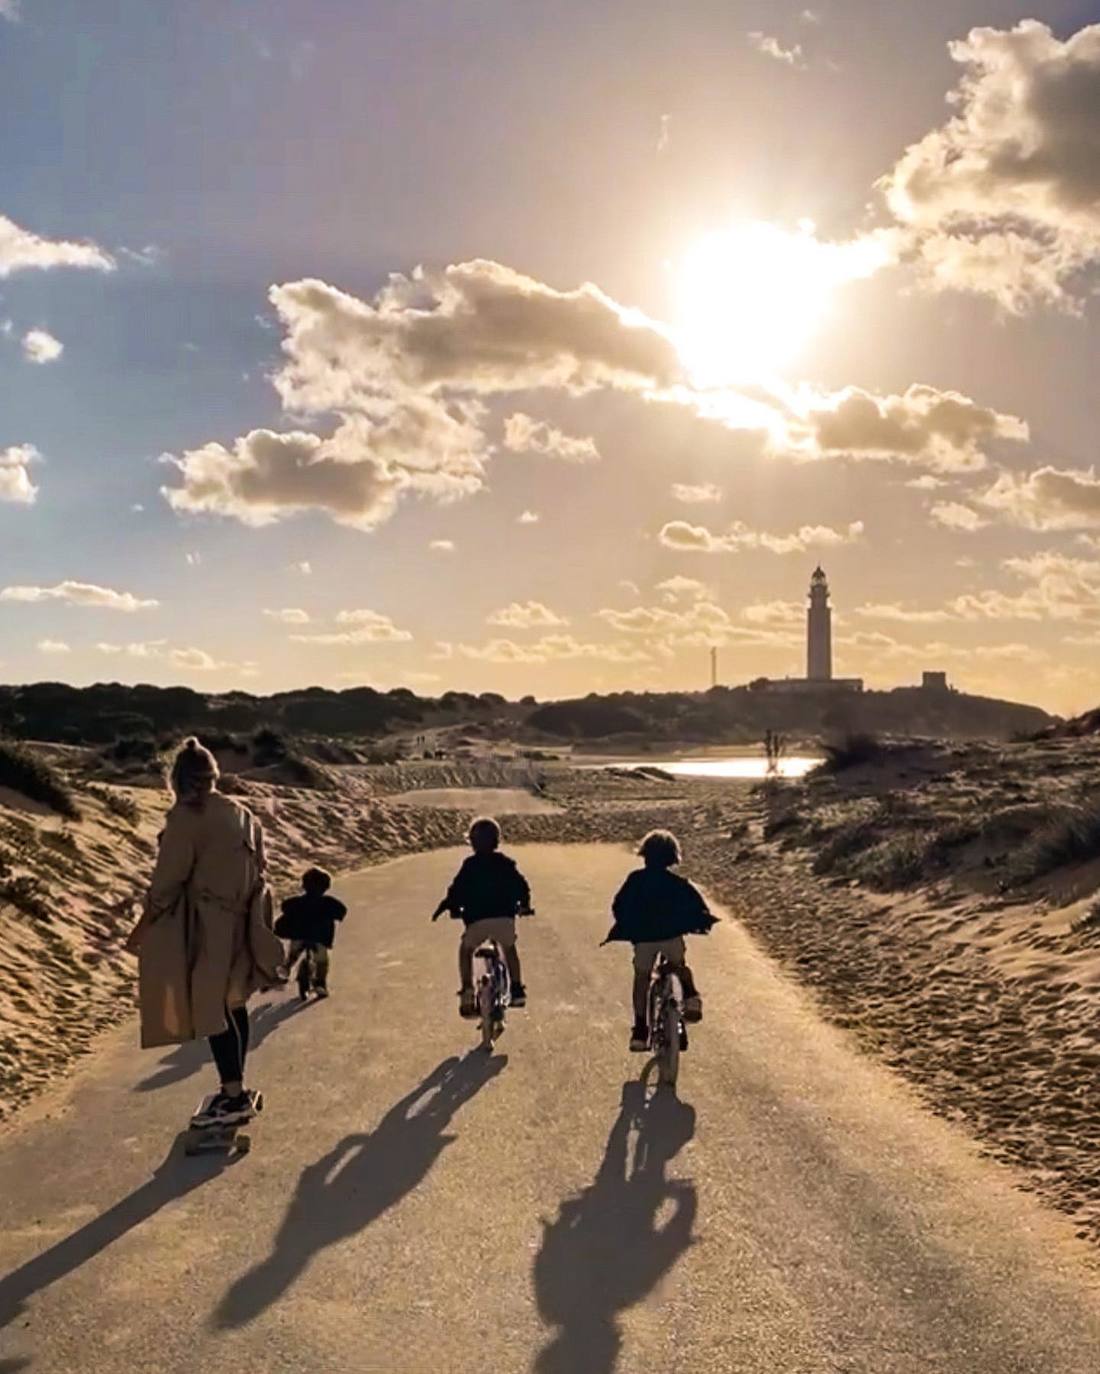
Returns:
<point x="467" y="1003"/>
<point x="517" y="995"/>
<point x="693" y="1008"/>
<point x="639" y="1038"/>
<point x="225" y="1110"/>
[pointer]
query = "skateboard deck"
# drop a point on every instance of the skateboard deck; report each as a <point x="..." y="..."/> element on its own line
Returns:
<point x="233" y="1136"/>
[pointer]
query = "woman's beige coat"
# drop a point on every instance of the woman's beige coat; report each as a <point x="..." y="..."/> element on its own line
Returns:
<point x="209" y="942"/>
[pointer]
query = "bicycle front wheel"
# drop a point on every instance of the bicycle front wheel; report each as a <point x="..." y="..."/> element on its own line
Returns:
<point x="669" y="1065"/>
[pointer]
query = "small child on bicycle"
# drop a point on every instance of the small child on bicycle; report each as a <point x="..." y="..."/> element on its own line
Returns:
<point x="487" y="894"/>
<point x="308" y="922"/>
<point x="654" y="909"/>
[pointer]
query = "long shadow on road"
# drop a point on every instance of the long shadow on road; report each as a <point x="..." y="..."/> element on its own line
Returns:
<point x="173" y="1178"/>
<point x="606" y="1249"/>
<point x="356" y="1182"/>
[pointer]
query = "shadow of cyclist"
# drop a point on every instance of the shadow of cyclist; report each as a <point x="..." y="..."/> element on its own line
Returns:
<point x="361" y="1178"/>
<point x="606" y="1249"/>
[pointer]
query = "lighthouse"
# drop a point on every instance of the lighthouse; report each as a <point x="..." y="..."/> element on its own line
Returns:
<point x="819" y="630"/>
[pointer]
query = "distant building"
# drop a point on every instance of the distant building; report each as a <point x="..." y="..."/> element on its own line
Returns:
<point x="934" y="682"/>
<point x="819" y="630"/>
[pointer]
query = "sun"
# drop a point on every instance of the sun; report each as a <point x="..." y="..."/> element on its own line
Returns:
<point x="748" y="298"/>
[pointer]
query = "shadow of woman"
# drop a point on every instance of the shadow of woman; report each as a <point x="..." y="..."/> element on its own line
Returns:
<point x="608" y="1246"/>
<point x="194" y="1055"/>
<point x="360" y="1179"/>
<point x="174" y="1178"/>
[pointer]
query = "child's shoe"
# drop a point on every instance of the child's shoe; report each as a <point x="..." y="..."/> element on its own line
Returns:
<point x="517" y="995"/>
<point x="639" y="1038"/>
<point x="693" y="1008"/>
<point x="467" y="1003"/>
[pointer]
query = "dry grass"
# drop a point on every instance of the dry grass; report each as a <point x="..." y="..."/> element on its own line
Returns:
<point x="849" y="751"/>
<point x="1070" y="835"/>
<point x="31" y="776"/>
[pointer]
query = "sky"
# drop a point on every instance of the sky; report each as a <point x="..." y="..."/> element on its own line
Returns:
<point x="495" y="345"/>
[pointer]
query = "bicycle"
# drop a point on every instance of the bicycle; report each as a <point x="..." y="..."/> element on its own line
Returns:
<point x="492" y="994"/>
<point x="667" y="1031"/>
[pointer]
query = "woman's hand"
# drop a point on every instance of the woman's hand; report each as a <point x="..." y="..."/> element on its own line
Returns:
<point x="135" y="937"/>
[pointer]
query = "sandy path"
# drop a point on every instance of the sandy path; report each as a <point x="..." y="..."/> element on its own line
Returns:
<point x="405" y="1208"/>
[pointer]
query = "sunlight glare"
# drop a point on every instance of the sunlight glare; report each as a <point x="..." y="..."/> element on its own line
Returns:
<point x="750" y="297"/>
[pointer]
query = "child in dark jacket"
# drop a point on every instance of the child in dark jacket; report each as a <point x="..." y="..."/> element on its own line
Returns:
<point x="654" y="909"/>
<point x="308" y="921"/>
<point x="487" y="894"/>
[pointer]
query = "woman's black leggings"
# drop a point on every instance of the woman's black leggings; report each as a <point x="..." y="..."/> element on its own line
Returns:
<point x="230" y="1046"/>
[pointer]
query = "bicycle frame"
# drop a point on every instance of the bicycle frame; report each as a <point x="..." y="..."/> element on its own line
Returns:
<point x="492" y="992"/>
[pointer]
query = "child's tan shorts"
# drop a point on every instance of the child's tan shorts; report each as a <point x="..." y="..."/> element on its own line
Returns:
<point x="646" y="952"/>
<point x="502" y="929"/>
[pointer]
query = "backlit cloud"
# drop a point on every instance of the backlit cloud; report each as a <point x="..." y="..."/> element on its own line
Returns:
<point x="942" y="430"/>
<point x="953" y="515"/>
<point x="367" y="627"/>
<point x="79" y="594"/>
<point x="526" y="615"/>
<point x="695" y="495"/>
<point x="16" y="486"/>
<point x="522" y="434"/>
<point x="40" y="346"/>
<point x="548" y="649"/>
<point x="770" y="46"/>
<point x="289" y="615"/>
<point x="53" y="646"/>
<point x="1004" y="198"/>
<point x="679" y="534"/>
<point x="1047" y="499"/>
<point x="22" y="251"/>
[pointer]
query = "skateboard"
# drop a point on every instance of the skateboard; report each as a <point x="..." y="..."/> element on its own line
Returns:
<point x="233" y="1137"/>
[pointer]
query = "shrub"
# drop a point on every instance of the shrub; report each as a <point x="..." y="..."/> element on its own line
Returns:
<point x="117" y="803"/>
<point x="31" y="776"/>
<point x="134" y="749"/>
<point x="849" y="751"/>
<point x="268" y="747"/>
<point x="1071" y="835"/>
<point x="848" y="839"/>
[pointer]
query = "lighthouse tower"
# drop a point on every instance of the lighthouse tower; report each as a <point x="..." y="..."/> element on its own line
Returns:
<point x="819" y="631"/>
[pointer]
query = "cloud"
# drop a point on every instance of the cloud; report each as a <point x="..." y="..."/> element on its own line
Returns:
<point x="771" y="47"/>
<point x="370" y="627"/>
<point x="528" y="517"/>
<point x="53" y="646"/>
<point x="926" y="482"/>
<point x="9" y="9"/>
<point x="678" y="534"/>
<point x="356" y="475"/>
<point x="442" y="545"/>
<point x="1004" y="198"/>
<point x="79" y="594"/>
<point x="955" y="516"/>
<point x="1047" y="499"/>
<point x="188" y="660"/>
<point x="549" y="648"/>
<point x="474" y="327"/>
<point x="1060" y="588"/>
<point x="696" y="625"/>
<point x="905" y="614"/>
<point x="942" y="430"/>
<point x="522" y="434"/>
<point x="40" y="346"/>
<point x="290" y="615"/>
<point x="22" y="251"/>
<point x="678" y="588"/>
<point x="775" y="613"/>
<point x="696" y="495"/>
<point x="527" y="615"/>
<point x="16" y="486"/>
<point x="304" y="568"/>
<point x="404" y="372"/>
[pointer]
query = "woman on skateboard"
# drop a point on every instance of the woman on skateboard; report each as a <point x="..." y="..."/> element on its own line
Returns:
<point x="204" y="941"/>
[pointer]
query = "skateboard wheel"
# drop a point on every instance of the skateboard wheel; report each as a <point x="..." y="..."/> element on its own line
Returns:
<point x="243" y="1143"/>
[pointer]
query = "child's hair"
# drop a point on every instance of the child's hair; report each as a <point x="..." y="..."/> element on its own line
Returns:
<point x="484" y="835"/>
<point x="660" y="849"/>
<point x="193" y="771"/>
<point x="316" y="880"/>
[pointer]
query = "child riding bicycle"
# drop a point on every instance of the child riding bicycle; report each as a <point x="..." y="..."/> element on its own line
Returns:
<point x="654" y="909"/>
<point x="487" y="894"/>
<point x="308" y="922"/>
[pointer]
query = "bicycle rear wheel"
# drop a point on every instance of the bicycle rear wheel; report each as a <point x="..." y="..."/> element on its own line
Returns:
<point x="668" y="1067"/>
<point x="485" y="1012"/>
